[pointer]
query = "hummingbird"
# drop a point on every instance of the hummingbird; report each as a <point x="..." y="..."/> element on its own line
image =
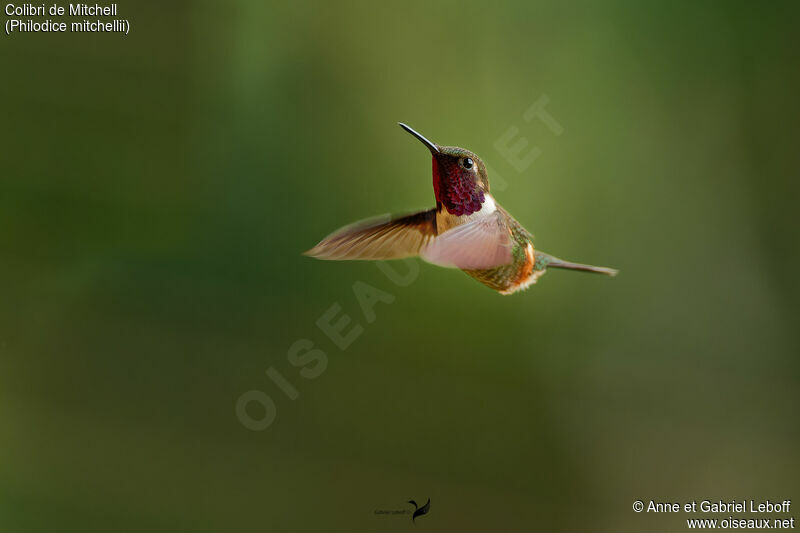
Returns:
<point x="467" y="230"/>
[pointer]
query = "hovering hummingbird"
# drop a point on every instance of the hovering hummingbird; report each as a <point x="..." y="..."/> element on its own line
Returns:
<point x="467" y="229"/>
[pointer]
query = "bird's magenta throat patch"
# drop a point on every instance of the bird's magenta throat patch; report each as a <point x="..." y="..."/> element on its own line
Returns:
<point x="456" y="188"/>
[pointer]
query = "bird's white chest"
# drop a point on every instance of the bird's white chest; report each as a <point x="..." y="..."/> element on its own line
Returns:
<point x="446" y="221"/>
<point x="487" y="208"/>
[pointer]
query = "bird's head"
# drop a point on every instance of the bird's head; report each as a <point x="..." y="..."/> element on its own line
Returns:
<point x="460" y="181"/>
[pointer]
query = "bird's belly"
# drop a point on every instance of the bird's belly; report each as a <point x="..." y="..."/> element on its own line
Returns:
<point x="507" y="279"/>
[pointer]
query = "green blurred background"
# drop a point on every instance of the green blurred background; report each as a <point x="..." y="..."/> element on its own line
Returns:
<point x="158" y="189"/>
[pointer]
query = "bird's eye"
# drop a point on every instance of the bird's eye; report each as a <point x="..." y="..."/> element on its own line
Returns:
<point x="467" y="163"/>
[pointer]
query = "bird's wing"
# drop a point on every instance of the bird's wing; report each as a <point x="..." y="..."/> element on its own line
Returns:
<point x="479" y="244"/>
<point x="379" y="238"/>
<point x="425" y="508"/>
<point x="421" y="511"/>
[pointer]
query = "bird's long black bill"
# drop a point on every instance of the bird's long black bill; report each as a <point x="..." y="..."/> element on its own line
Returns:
<point x="432" y="147"/>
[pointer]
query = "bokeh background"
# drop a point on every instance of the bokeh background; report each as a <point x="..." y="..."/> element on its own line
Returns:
<point x="158" y="190"/>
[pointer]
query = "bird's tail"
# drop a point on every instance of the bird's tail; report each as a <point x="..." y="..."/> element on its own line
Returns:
<point x="544" y="260"/>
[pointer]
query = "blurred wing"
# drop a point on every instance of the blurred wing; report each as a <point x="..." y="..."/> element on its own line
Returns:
<point x="379" y="238"/>
<point x="483" y="243"/>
